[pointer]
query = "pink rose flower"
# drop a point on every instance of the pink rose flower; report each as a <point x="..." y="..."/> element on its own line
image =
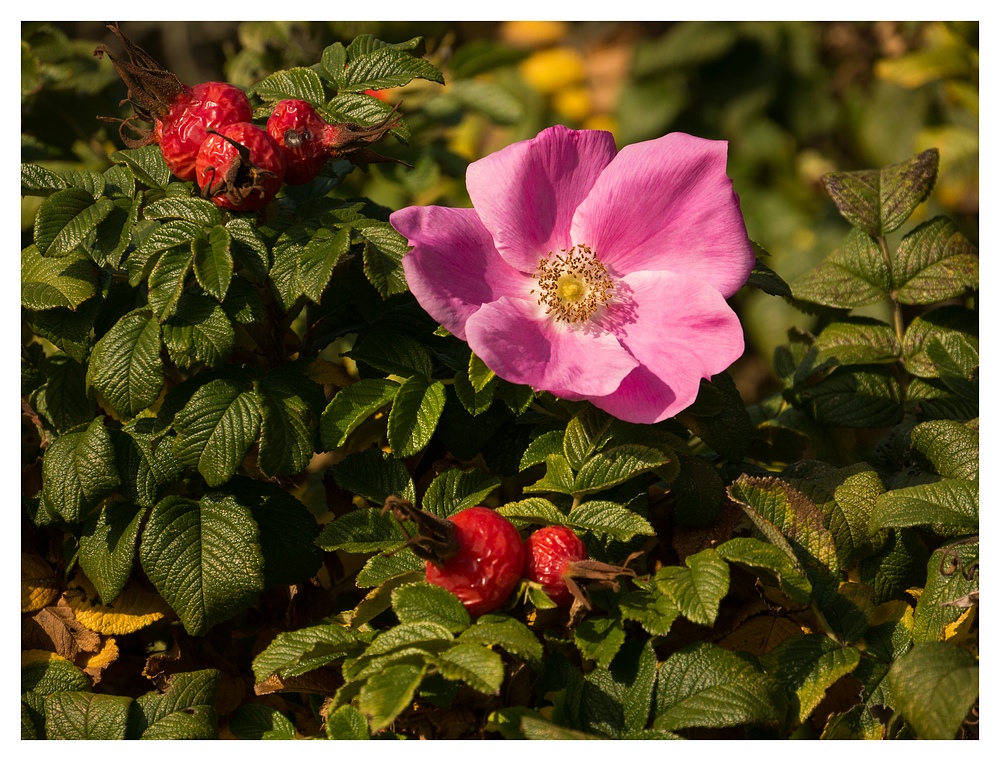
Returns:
<point x="588" y="272"/>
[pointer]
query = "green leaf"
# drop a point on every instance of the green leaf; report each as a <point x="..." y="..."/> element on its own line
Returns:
<point x="287" y="531"/>
<point x="727" y="430"/>
<point x="766" y="279"/>
<point x="213" y="263"/>
<point x="585" y="433"/>
<point x="935" y="685"/>
<point x="854" y="275"/>
<point x="253" y="721"/>
<point x="558" y="476"/>
<point x="47" y="283"/>
<point x="497" y="630"/>
<point x="698" y="490"/>
<point x="856" y="396"/>
<point x="950" y="446"/>
<point x="698" y="589"/>
<point x="166" y="280"/>
<point x="383" y="258"/>
<point x="374" y="475"/>
<point x="318" y="259"/>
<point x="201" y="211"/>
<point x="68" y="329"/>
<point x="299" y="652"/>
<point x="381" y="568"/>
<point x="351" y="406"/>
<point x="347" y="723"/>
<point x="216" y="428"/>
<point x="807" y="666"/>
<point x="949" y="505"/>
<point x="702" y="685"/>
<point x="455" y="490"/>
<point x="387" y="67"/>
<point x="147" y="163"/>
<point x="185" y="710"/>
<point x="414" y="415"/>
<point x="78" y="470"/>
<point x="86" y="716"/>
<point x="299" y="83"/>
<point x="125" y="371"/>
<point x="361" y="530"/>
<point x="616" y="465"/>
<point x="333" y="62"/>
<point x="63" y="401"/>
<point x="204" y="558"/>
<point x="550" y="442"/>
<point x="114" y="233"/>
<point x="608" y="518"/>
<point x="476" y="665"/>
<point x="199" y="332"/>
<point x="249" y="249"/>
<point x="107" y="548"/>
<point x="66" y="218"/>
<point x="45" y="673"/>
<point x="755" y="554"/>
<point x="392" y="352"/>
<point x="176" y="234"/>
<point x="146" y="462"/>
<point x="952" y="579"/>
<point x="289" y="403"/>
<point x="900" y="565"/>
<point x="533" y="510"/>
<point x="385" y="695"/>
<point x="654" y="611"/>
<point x="950" y="325"/>
<point x="599" y="639"/>
<point x="880" y="200"/>
<point x="935" y="262"/>
<point x="37" y="180"/>
<point x="858" y="341"/>
<point x="425" y="602"/>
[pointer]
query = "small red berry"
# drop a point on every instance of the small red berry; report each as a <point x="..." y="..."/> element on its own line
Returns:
<point x="240" y="167"/>
<point x="547" y="553"/>
<point x="298" y="129"/>
<point x="208" y="106"/>
<point x="488" y="564"/>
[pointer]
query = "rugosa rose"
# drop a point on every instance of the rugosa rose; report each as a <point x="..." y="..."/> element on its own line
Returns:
<point x="588" y="272"/>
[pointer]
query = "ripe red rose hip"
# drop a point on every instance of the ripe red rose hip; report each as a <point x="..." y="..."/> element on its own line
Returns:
<point x="192" y="116"/>
<point x="547" y="553"/>
<point x="298" y="128"/>
<point x="488" y="564"/>
<point x="240" y="167"/>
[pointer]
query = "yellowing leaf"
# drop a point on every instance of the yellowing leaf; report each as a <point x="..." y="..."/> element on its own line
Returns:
<point x="39" y="585"/>
<point x="94" y="664"/>
<point x="29" y="657"/>
<point x="958" y="631"/>
<point x="134" y="609"/>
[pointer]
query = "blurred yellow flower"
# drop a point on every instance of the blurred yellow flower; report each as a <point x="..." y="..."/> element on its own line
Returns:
<point x="551" y="70"/>
<point x="533" y="34"/>
<point x="572" y="103"/>
<point x="602" y="121"/>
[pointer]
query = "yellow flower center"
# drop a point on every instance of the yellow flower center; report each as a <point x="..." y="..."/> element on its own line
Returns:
<point x="573" y="284"/>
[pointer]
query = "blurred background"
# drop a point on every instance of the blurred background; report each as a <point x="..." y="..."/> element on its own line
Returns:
<point x="794" y="99"/>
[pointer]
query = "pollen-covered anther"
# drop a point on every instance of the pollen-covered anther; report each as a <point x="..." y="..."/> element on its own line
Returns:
<point x="572" y="285"/>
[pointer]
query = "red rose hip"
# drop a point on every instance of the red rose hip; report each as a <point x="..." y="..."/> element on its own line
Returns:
<point x="488" y="564"/>
<point x="547" y="553"/>
<point x="298" y="128"/>
<point x="240" y="167"/>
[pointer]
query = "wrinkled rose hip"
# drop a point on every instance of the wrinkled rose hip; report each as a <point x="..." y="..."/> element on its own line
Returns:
<point x="240" y="167"/>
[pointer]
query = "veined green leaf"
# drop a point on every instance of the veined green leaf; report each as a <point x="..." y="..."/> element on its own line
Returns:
<point x="213" y="263"/>
<point x="599" y="639"/>
<point x="948" y="505"/>
<point x="703" y="685"/>
<point x="48" y="282"/>
<point x="362" y="530"/>
<point x="66" y="218"/>
<point x="253" y="721"/>
<point x="472" y="663"/>
<point x="177" y="233"/>
<point x="289" y="408"/>
<point x="858" y="341"/>
<point x="951" y="447"/>
<point x="585" y="433"/>
<point x="935" y="685"/>
<point x="37" y="180"/>
<point x="387" y="67"/>
<point x="952" y="583"/>
<point x="414" y="416"/>
<point x="299" y="83"/>
<point x="204" y="558"/>
<point x="351" y="406"/>
<point x="854" y="275"/>
<point x="47" y="673"/>
<point x="201" y="211"/>
<point x="78" y="470"/>
<point x="166" y="280"/>
<point x="318" y="259"/>
<point x="380" y="568"/>
<point x="497" y="630"/>
<point x="533" y="510"/>
<point x="147" y="163"/>
<point x="425" y="602"/>
<point x="385" y="695"/>
<point x="550" y="442"/>
<point x="934" y="263"/>
<point x="455" y="490"/>
<point x="374" y="475"/>
<point x="86" y="716"/>
<point x="558" y="477"/>
<point x="698" y="589"/>
<point x="107" y="547"/>
<point x="880" y="200"/>
<point x="63" y="400"/>
<point x="299" y="652"/>
<point x="125" y="371"/>
<point x="347" y="723"/>
<point x="608" y="518"/>
<point x="755" y="554"/>
<point x="216" y="428"/>
<point x="807" y="666"/>
<point x="392" y="352"/>
<point x="185" y="710"/>
<point x="857" y="396"/>
<point x="950" y="324"/>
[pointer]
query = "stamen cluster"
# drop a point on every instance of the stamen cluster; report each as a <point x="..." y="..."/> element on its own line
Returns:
<point x="573" y="284"/>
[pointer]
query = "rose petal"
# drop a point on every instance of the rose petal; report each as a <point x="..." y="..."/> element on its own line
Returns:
<point x="681" y="330"/>
<point x="667" y="204"/>
<point x="523" y="346"/>
<point x="453" y="268"/>
<point x="526" y="193"/>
